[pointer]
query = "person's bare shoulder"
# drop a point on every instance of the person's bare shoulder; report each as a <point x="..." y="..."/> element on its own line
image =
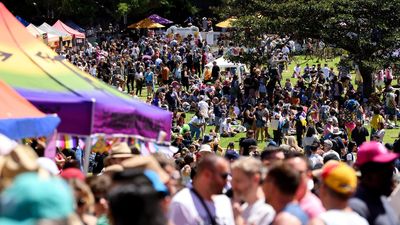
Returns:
<point x="316" y="221"/>
<point x="286" y="218"/>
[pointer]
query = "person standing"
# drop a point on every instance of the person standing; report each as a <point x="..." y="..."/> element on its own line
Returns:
<point x="308" y="202"/>
<point x="339" y="182"/>
<point x="359" y="134"/>
<point x="204" y="202"/>
<point x="246" y="143"/>
<point x="164" y="73"/>
<point x="130" y="77"/>
<point x="139" y="80"/>
<point x="246" y="177"/>
<point x="370" y="200"/>
<point x="215" y="72"/>
<point x="390" y="105"/>
<point x="149" y="77"/>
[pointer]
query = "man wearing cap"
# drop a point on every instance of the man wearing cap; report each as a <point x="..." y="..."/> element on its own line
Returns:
<point x="376" y="183"/>
<point x="339" y="182"/>
<point x="204" y="202"/>
<point x="246" y="177"/>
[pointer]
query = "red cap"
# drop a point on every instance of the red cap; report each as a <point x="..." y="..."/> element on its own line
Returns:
<point x="374" y="152"/>
<point x="72" y="173"/>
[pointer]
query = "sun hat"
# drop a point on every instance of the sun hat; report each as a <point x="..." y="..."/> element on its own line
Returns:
<point x="339" y="177"/>
<point x="205" y="148"/>
<point x="32" y="196"/>
<point x="146" y="162"/>
<point x="6" y="145"/>
<point x="21" y="159"/>
<point x="119" y="150"/>
<point x="374" y="152"/>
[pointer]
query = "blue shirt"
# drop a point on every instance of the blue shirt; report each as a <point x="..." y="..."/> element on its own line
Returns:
<point x="296" y="211"/>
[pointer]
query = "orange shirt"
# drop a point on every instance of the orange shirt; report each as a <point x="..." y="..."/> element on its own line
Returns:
<point x="165" y="73"/>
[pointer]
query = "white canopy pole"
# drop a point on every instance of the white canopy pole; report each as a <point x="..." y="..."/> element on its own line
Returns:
<point x="88" y="148"/>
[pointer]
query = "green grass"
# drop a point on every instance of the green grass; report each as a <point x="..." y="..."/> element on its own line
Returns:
<point x="390" y="135"/>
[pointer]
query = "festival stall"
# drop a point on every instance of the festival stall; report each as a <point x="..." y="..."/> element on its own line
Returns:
<point x="85" y="105"/>
<point x="51" y="30"/>
<point x="20" y="119"/>
<point x="78" y="36"/>
<point x="236" y="68"/>
<point x="50" y="39"/>
<point x="75" y="26"/>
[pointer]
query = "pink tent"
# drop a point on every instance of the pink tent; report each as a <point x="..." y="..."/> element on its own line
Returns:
<point x="63" y="27"/>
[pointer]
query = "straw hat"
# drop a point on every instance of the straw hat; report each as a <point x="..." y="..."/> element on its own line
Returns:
<point x="118" y="150"/>
<point x="21" y="159"/>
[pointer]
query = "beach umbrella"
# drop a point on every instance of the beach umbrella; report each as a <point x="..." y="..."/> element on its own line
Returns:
<point x="146" y="24"/>
<point x="226" y="23"/>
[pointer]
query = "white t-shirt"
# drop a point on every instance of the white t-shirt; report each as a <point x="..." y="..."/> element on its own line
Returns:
<point x="326" y="70"/>
<point x="187" y="209"/>
<point x="259" y="213"/>
<point x="203" y="107"/>
<point x="340" y="217"/>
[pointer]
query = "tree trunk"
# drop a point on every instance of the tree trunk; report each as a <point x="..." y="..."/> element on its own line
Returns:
<point x="367" y="74"/>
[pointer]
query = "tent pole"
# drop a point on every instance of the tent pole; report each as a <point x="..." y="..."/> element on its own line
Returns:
<point x="88" y="147"/>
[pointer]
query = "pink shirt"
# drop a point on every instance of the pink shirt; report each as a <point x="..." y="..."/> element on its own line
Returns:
<point x="311" y="205"/>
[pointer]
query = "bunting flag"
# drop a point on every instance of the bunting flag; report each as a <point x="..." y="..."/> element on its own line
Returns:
<point x="65" y="141"/>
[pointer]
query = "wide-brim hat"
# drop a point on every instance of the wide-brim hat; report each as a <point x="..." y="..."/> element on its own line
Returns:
<point x="119" y="150"/>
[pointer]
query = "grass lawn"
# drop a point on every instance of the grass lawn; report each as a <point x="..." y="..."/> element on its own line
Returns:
<point x="390" y="136"/>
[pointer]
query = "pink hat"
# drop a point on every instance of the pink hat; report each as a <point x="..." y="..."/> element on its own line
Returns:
<point x="374" y="152"/>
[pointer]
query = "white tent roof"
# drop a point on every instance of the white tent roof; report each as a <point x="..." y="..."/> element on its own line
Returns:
<point x="35" y="31"/>
<point x="51" y="30"/>
<point x="223" y="63"/>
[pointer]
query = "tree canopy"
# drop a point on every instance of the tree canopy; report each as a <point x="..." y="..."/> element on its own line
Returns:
<point x="368" y="30"/>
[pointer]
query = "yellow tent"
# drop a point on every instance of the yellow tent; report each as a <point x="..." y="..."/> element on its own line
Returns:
<point x="226" y="23"/>
<point x="146" y="23"/>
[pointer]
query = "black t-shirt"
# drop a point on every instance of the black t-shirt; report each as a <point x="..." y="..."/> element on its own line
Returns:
<point x="246" y="143"/>
<point x="359" y="135"/>
<point x="215" y="71"/>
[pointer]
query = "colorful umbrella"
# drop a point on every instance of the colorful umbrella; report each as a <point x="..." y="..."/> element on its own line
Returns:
<point x="158" y="19"/>
<point x="146" y="23"/>
<point x="20" y="119"/>
<point x="226" y="23"/>
<point x="85" y="104"/>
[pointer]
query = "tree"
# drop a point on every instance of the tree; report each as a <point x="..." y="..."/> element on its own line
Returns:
<point x="368" y="30"/>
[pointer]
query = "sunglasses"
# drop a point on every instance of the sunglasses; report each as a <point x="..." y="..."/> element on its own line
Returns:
<point x="224" y="175"/>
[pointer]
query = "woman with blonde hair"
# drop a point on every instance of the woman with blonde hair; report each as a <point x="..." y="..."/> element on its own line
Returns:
<point x="84" y="201"/>
<point x="292" y="142"/>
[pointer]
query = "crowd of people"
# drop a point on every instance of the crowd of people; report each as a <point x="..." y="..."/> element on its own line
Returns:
<point x="321" y="165"/>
